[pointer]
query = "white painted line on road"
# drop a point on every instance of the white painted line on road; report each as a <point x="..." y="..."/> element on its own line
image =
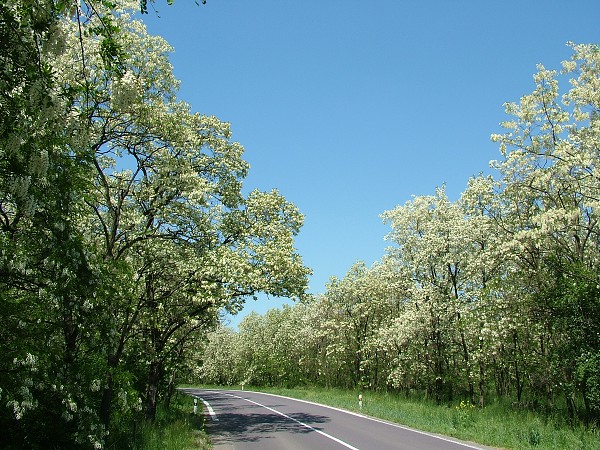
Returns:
<point x="333" y="438"/>
<point x="211" y="411"/>
<point x="374" y="419"/>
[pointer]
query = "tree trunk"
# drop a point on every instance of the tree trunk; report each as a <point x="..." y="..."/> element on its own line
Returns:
<point x="170" y="388"/>
<point x="517" y="371"/>
<point x="481" y="384"/>
<point x="154" y="376"/>
<point x="467" y="366"/>
<point x="105" y="406"/>
<point x="108" y="393"/>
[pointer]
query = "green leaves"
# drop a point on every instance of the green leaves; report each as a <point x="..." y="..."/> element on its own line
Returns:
<point x="144" y="4"/>
<point x="111" y="51"/>
<point x="123" y="226"/>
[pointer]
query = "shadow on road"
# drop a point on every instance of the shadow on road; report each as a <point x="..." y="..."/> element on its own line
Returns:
<point x="233" y="427"/>
<point x="251" y="423"/>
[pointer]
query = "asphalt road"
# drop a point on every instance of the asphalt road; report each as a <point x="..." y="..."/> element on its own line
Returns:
<point x="245" y="420"/>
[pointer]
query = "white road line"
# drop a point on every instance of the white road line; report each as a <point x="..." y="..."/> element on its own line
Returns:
<point x="374" y="419"/>
<point x="333" y="438"/>
<point x="211" y="411"/>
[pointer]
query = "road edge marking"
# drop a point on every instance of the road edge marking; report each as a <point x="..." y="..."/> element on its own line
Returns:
<point x="374" y="419"/>
<point x="322" y="433"/>
<point x="209" y="408"/>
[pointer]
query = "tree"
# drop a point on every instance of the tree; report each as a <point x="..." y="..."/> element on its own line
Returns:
<point x="221" y="359"/>
<point x="359" y="304"/>
<point x="430" y="234"/>
<point x="550" y="199"/>
<point x="128" y="239"/>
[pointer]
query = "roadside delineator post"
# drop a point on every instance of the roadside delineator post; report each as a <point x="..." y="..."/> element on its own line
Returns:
<point x="242" y="386"/>
<point x="360" y="401"/>
<point x="195" y="406"/>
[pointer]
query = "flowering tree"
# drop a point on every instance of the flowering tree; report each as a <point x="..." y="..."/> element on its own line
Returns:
<point x="221" y="359"/>
<point x="550" y="201"/>
<point x="497" y="292"/>
<point x="432" y="249"/>
<point x="356" y="307"/>
<point x="125" y="235"/>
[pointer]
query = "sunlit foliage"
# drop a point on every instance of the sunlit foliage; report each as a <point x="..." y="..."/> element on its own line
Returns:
<point x="496" y="294"/>
<point x="124" y="227"/>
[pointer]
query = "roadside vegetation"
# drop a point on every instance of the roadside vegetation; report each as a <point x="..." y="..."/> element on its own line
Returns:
<point x="499" y="424"/>
<point x="124" y="229"/>
<point x="175" y="428"/>
<point x="486" y="308"/>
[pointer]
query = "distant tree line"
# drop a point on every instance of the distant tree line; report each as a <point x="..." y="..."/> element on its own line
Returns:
<point x="495" y="295"/>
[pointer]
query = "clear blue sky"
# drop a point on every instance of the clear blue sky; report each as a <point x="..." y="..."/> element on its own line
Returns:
<point x="350" y="108"/>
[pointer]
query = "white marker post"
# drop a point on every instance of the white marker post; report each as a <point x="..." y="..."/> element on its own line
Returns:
<point x="242" y="385"/>
<point x="195" y="406"/>
<point x="360" y="401"/>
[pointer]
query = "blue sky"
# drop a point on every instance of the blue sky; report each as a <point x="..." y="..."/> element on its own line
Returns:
<point x="350" y="108"/>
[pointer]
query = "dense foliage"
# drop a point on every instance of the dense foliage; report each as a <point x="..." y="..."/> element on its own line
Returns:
<point x="124" y="229"/>
<point x="496" y="294"/>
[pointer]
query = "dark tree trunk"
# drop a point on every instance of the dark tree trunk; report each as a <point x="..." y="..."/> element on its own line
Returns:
<point x="170" y="388"/>
<point x="152" y="386"/>
<point x="108" y="393"/>
<point x="106" y="405"/>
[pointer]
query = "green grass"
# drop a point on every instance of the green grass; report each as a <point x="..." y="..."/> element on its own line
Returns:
<point x="496" y="425"/>
<point x="176" y="435"/>
<point x="175" y="428"/>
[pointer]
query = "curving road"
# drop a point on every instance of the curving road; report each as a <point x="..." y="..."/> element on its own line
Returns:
<point x="246" y="420"/>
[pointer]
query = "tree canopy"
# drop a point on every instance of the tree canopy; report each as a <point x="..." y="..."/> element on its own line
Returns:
<point x="125" y="230"/>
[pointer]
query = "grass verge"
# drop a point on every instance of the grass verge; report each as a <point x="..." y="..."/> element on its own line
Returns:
<point x="497" y="425"/>
<point x="175" y="428"/>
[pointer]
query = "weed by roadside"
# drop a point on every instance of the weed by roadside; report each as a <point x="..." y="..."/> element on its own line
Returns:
<point x="464" y="415"/>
